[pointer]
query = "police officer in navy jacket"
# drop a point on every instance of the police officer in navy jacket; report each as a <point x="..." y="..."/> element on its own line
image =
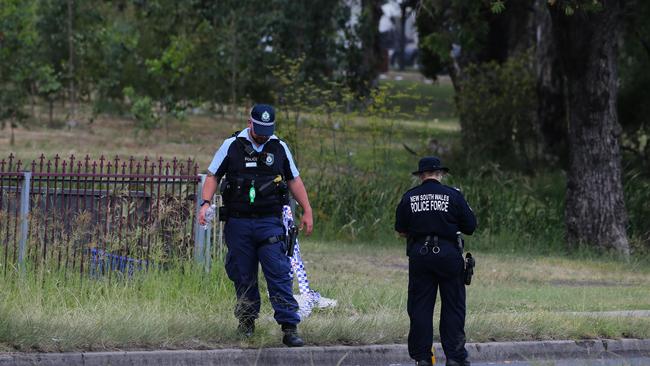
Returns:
<point x="430" y="215"/>
<point x="259" y="172"/>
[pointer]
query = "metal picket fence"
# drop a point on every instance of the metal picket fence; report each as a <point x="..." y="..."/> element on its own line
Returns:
<point x="98" y="216"/>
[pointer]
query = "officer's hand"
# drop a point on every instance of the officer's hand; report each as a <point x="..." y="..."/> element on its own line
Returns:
<point x="307" y="222"/>
<point x="202" y="212"/>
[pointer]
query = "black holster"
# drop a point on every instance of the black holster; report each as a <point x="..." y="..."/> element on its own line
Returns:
<point x="469" y="264"/>
<point x="291" y="240"/>
<point x="223" y="213"/>
<point x="410" y="241"/>
<point x="469" y="268"/>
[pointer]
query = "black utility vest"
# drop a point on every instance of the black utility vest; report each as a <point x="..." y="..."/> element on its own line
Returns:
<point x="263" y="171"/>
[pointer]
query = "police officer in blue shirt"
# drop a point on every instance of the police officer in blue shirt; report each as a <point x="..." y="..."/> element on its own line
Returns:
<point x="430" y="215"/>
<point x="259" y="172"/>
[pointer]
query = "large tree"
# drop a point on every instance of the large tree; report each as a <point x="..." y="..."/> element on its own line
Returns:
<point x="575" y="48"/>
<point x="586" y="35"/>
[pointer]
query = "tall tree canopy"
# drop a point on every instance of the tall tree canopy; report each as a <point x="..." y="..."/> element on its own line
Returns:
<point x="179" y="53"/>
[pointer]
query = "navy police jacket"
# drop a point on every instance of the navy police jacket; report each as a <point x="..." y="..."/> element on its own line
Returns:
<point x="434" y="209"/>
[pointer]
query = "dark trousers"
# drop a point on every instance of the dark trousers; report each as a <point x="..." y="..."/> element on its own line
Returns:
<point x="245" y="239"/>
<point x="428" y="273"/>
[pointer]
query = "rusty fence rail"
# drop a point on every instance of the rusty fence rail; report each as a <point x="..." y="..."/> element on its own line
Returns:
<point x="100" y="216"/>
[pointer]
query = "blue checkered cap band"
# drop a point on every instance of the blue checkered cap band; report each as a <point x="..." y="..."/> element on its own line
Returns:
<point x="263" y="118"/>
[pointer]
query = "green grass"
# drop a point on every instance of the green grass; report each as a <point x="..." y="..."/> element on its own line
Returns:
<point x="421" y="101"/>
<point x="512" y="297"/>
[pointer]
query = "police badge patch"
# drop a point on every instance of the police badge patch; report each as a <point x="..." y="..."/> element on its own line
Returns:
<point x="269" y="159"/>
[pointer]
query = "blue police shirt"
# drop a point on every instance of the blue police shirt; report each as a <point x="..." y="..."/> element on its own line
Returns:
<point x="434" y="208"/>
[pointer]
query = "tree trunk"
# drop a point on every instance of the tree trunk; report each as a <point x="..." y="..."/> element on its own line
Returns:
<point x="12" y="138"/>
<point x="595" y="212"/>
<point x="73" y="106"/>
<point x="51" y="112"/>
<point x="364" y="76"/>
<point x="401" y="60"/>
<point x="234" y="60"/>
<point x="551" y="110"/>
<point x="32" y="87"/>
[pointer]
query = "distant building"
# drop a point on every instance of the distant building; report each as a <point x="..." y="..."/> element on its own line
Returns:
<point x="391" y="33"/>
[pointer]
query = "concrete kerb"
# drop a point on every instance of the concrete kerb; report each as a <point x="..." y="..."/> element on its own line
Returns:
<point x="555" y="349"/>
<point x="338" y="355"/>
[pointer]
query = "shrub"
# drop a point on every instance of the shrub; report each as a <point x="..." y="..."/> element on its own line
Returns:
<point x="496" y="105"/>
<point x="142" y="109"/>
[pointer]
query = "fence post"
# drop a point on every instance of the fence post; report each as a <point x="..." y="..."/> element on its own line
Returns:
<point x="292" y="204"/>
<point x="217" y="239"/>
<point x="207" y="246"/>
<point x="199" y="233"/>
<point x="24" y="219"/>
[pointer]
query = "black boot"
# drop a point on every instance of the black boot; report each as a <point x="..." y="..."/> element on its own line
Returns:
<point x="246" y="326"/>
<point x="291" y="338"/>
<point x="457" y="363"/>
<point x="424" y="363"/>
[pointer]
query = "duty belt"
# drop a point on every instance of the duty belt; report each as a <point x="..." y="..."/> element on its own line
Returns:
<point x="253" y="215"/>
<point x="441" y="239"/>
<point x="427" y="241"/>
<point x="272" y="240"/>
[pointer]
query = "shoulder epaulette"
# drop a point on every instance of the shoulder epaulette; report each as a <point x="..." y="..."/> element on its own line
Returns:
<point x="248" y="147"/>
<point x="454" y="188"/>
<point x="274" y="141"/>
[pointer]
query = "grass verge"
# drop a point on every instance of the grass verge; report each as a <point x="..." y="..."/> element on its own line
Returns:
<point x="513" y="297"/>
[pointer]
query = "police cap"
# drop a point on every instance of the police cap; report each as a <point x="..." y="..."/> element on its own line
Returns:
<point x="263" y="119"/>
<point x="429" y="164"/>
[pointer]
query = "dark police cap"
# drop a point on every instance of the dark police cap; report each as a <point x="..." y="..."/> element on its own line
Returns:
<point x="263" y="118"/>
<point x="429" y="164"/>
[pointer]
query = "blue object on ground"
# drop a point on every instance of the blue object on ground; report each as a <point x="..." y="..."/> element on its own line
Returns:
<point x="102" y="261"/>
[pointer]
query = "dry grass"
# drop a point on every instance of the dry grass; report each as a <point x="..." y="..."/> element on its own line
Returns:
<point x="198" y="136"/>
